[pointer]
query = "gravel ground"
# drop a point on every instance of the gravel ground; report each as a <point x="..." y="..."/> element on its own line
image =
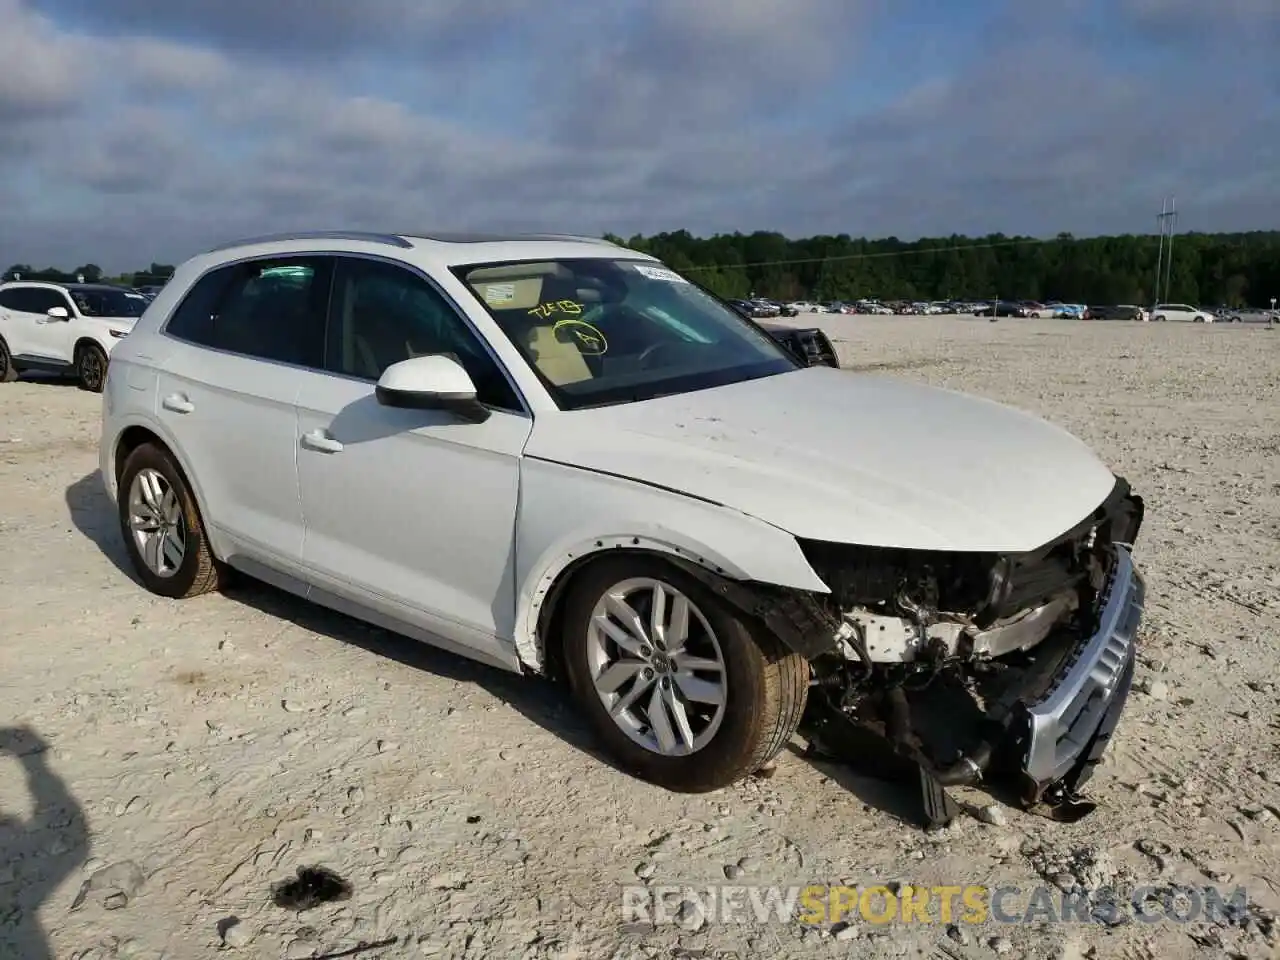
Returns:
<point x="199" y="752"/>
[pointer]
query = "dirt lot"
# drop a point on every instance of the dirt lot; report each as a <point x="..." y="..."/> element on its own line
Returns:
<point x="216" y="745"/>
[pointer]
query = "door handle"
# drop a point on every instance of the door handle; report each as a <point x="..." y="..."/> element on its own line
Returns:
<point x="320" y="440"/>
<point x="177" y="403"/>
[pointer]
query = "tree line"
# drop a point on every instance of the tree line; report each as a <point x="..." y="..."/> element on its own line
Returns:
<point x="1235" y="269"/>
<point x="157" y="274"/>
<point x="1238" y="269"/>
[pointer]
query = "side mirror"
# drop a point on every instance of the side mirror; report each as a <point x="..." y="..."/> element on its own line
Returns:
<point x="59" y="313"/>
<point x="432" y="382"/>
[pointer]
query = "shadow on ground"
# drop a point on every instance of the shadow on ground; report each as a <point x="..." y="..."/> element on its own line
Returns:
<point x="39" y="852"/>
<point x="94" y="515"/>
<point x="541" y="701"/>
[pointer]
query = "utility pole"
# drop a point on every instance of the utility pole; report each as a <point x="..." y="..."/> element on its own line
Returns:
<point x="1155" y="302"/>
<point x="1164" y="255"/>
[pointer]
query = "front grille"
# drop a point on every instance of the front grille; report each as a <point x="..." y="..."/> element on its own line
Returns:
<point x="1062" y="720"/>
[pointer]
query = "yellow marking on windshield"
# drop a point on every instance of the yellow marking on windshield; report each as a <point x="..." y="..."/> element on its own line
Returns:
<point x="544" y="310"/>
<point x="587" y="338"/>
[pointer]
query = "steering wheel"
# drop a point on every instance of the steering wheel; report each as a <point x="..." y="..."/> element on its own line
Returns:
<point x="652" y="350"/>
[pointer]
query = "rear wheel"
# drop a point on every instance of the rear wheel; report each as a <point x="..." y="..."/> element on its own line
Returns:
<point x="162" y="528"/>
<point x="682" y="689"/>
<point x="91" y="367"/>
<point x="8" y="372"/>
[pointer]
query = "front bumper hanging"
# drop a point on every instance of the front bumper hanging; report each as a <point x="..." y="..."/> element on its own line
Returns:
<point x="1049" y="730"/>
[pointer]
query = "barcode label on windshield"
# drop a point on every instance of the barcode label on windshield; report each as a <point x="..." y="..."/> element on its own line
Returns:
<point x="659" y="273"/>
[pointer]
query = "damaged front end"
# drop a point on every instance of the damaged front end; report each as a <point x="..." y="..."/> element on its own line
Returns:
<point x="1011" y="670"/>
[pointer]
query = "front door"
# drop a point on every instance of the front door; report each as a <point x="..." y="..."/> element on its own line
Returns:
<point x="40" y="336"/>
<point x="246" y="338"/>
<point x="412" y="512"/>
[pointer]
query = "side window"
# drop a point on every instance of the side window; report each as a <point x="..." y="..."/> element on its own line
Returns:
<point x="42" y="300"/>
<point x="269" y="309"/>
<point x="12" y="299"/>
<point x="193" y="318"/>
<point x="381" y="314"/>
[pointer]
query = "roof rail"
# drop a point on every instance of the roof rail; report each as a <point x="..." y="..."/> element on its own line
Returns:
<point x="572" y="236"/>
<point x="447" y="236"/>
<point x="389" y="239"/>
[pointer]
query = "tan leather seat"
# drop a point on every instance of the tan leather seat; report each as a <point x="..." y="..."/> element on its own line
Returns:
<point x="558" y="361"/>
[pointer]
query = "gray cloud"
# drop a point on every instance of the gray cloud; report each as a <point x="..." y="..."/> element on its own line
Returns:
<point x="38" y="66"/>
<point x="292" y="27"/>
<point x="665" y="116"/>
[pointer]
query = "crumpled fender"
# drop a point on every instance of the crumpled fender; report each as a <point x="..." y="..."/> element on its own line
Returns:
<point x="567" y="513"/>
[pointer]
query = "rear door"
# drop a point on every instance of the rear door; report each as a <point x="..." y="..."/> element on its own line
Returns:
<point x="15" y="325"/>
<point x="246" y="337"/>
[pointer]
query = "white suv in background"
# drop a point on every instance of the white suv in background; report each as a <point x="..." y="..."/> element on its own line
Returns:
<point x="64" y="328"/>
<point x="557" y="455"/>
<point x="1181" y="311"/>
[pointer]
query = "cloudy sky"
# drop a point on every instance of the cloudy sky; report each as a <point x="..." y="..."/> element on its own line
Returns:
<point x="140" y="130"/>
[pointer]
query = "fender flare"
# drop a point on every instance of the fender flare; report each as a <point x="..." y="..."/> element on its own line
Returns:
<point x="727" y="578"/>
<point x="157" y="429"/>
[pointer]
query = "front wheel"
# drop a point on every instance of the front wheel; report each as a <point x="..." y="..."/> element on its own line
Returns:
<point x="682" y="689"/>
<point x="91" y="367"/>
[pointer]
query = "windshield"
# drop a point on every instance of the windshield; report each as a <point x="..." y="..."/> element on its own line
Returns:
<point x="601" y="331"/>
<point x="109" y="303"/>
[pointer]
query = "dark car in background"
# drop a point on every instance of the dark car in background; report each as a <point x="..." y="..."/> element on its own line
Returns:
<point x="1120" y="311"/>
<point x="1001" y="308"/>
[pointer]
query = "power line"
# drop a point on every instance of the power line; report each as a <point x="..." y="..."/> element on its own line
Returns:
<point x="877" y="256"/>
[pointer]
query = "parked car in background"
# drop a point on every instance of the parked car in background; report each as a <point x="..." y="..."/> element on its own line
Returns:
<point x="64" y="328"/>
<point x="1068" y="311"/>
<point x="1001" y="308"/>
<point x="1122" y="311"/>
<point x="150" y="291"/>
<point x="1034" y="309"/>
<point x="1181" y="311"/>
<point x="558" y="456"/>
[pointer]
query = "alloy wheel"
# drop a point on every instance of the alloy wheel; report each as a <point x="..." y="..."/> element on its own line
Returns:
<point x="157" y="523"/>
<point x="657" y="666"/>
<point x="92" y="370"/>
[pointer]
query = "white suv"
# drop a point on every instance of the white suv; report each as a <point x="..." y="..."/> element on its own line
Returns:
<point x="1182" y="311"/>
<point x="64" y="328"/>
<point x="556" y="455"/>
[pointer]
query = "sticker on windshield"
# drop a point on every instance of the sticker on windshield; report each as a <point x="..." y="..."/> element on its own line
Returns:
<point x="497" y="294"/>
<point x="659" y="273"/>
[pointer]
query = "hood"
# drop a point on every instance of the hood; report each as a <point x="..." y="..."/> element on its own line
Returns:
<point x="847" y="457"/>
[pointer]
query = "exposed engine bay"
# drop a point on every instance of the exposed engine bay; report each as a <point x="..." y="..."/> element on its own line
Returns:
<point x="964" y="668"/>
<point x="954" y="660"/>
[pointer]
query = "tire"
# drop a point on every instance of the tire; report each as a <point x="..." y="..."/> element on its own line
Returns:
<point x="1160" y="319"/>
<point x="764" y="686"/>
<point x="198" y="571"/>
<point x="91" y="367"/>
<point x="8" y="372"/>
